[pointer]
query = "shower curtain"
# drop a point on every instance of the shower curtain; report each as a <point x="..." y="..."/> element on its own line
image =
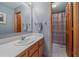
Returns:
<point x="59" y="27"/>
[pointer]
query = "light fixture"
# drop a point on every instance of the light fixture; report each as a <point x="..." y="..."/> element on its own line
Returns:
<point x="53" y="5"/>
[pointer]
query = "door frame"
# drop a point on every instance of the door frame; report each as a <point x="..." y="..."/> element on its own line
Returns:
<point x="51" y="30"/>
<point x="75" y="29"/>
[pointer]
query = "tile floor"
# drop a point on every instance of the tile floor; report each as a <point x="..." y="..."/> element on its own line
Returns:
<point x="59" y="50"/>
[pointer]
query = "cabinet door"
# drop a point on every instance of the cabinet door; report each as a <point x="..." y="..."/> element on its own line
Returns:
<point x="69" y="29"/>
<point x="23" y="54"/>
<point x="33" y="49"/>
<point x="41" y="42"/>
<point x="40" y="51"/>
<point x="35" y="54"/>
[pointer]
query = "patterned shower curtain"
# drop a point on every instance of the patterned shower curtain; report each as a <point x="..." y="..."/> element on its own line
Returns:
<point x="59" y="26"/>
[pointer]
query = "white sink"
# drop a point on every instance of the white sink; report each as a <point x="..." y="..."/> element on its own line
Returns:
<point x="27" y="40"/>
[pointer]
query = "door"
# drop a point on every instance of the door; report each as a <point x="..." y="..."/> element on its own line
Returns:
<point x="69" y="30"/>
<point x="18" y="22"/>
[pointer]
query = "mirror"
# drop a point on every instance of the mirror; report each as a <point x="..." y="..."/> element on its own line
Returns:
<point x="17" y="19"/>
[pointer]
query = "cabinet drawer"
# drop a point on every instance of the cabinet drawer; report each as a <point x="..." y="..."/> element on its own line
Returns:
<point x="35" y="54"/>
<point x="33" y="49"/>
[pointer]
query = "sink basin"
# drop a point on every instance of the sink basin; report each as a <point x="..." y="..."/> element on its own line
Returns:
<point x="27" y="40"/>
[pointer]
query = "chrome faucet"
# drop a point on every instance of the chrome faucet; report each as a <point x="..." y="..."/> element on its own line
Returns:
<point x="23" y="38"/>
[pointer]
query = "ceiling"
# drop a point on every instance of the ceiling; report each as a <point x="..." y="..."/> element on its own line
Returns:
<point x="59" y="8"/>
<point x="11" y="4"/>
<point x="14" y="4"/>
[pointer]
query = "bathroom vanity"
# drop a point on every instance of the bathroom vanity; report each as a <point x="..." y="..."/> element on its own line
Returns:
<point x="34" y="50"/>
<point x="32" y="46"/>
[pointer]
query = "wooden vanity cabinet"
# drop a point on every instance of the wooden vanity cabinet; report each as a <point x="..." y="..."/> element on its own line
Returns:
<point x="35" y="50"/>
<point x="23" y="54"/>
<point x="35" y="54"/>
<point x="41" y="42"/>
